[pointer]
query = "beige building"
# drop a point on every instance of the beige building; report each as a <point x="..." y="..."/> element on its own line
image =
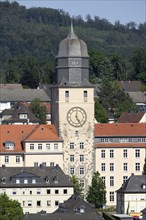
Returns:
<point x="30" y="145"/>
<point x="36" y="188"/>
<point x="120" y="151"/>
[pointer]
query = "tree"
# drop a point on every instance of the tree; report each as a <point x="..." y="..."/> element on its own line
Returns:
<point x="38" y="110"/>
<point x="100" y="113"/>
<point x="77" y="186"/>
<point x="144" y="167"/>
<point x="10" y="209"/>
<point x="97" y="191"/>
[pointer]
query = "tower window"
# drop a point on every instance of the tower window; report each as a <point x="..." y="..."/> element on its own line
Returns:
<point x="66" y="96"/>
<point x="85" y="96"/>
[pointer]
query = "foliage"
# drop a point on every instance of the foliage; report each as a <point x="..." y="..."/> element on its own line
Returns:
<point x="97" y="191"/>
<point x="144" y="167"/>
<point x="100" y="113"/>
<point x="77" y="186"/>
<point x="38" y="110"/>
<point x="10" y="209"/>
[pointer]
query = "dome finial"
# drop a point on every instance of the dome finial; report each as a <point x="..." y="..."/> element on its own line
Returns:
<point x="72" y="34"/>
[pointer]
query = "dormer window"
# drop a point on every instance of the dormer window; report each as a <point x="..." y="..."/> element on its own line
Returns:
<point x="143" y="186"/>
<point x="23" y="116"/>
<point x="17" y="181"/>
<point x="47" y="179"/>
<point x="82" y="209"/>
<point x="33" y="180"/>
<point x="55" y="179"/>
<point x="9" y="145"/>
<point x="3" y="180"/>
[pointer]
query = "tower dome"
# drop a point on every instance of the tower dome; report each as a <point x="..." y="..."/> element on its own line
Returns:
<point x="72" y="60"/>
<point x="72" y="46"/>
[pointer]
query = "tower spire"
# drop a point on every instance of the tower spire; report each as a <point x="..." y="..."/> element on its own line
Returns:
<point x="72" y="34"/>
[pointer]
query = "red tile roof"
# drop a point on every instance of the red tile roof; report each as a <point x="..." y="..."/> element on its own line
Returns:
<point x="131" y="117"/>
<point x="120" y="129"/>
<point x="20" y="133"/>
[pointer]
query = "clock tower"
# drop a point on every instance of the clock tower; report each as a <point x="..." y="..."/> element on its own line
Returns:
<point x="73" y="108"/>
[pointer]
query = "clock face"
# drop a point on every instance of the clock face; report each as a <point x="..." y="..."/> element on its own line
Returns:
<point x="76" y="116"/>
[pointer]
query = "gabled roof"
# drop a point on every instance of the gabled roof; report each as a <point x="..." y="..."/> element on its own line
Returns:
<point x="130" y="117"/>
<point x="120" y="129"/>
<point x="138" y="97"/>
<point x="134" y="184"/>
<point x="15" y="112"/>
<point x="23" y="133"/>
<point x="11" y="86"/>
<point x="22" y="95"/>
<point x="41" y="172"/>
<point x="130" y="86"/>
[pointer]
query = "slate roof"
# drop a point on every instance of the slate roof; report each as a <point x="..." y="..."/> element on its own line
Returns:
<point x="130" y="117"/>
<point x="69" y="210"/>
<point x="120" y="129"/>
<point x="134" y="184"/>
<point x="22" y="133"/>
<point x="66" y="84"/>
<point x="138" y="97"/>
<point x="22" y="95"/>
<point x="40" y="172"/>
<point x="130" y="86"/>
<point x="11" y="86"/>
<point x="143" y="211"/>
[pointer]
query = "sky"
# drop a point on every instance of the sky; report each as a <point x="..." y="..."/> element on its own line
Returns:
<point x="113" y="10"/>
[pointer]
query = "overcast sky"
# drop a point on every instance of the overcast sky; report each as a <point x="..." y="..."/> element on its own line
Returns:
<point x="113" y="10"/>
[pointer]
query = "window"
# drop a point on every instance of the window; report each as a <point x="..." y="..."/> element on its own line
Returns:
<point x="17" y="159"/>
<point x="81" y="158"/>
<point x="71" y="145"/>
<point x="102" y="153"/>
<point x="29" y="203"/>
<point x="39" y="146"/>
<point x="38" y="203"/>
<point x="72" y="170"/>
<point x="30" y="192"/>
<point x="82" y="183"/>
<point x="125" y="153"/>
<point x="47" y="146"/>
<point x="111" y="153"/>
<point x="56" y="203"/>
<point x="9" y="146"/>
<point x="55" y="146"/>
<point x="66" y="96"/>
<point x="48" y="191"/>
<point x="14" y="192"/>
<point x="111" y="180"/>
<point x="23" y="203"/>
<point x="71" y="158"/>
<point x="111" y="166"/>
<point x="103" y="167"/>
<point x="111" y="196"/>
<point x="81" y="145"/>
<point x="65" y="191"/>
<point x="103" y="179"/>
<point x="56" y="191"/>
<point x="6" y="159"/>
<point x="82" y="171"/>
<point x="48" y="202"/>
<point x="137" y="166"/>
<point x="137" y="153"/>
<point x="51" y="164"/>
<point x="38" y="191"/>
<point x="85" y="96"/>
<point x="22" y="116"/>
<point x="17" y="181"/>
<point x="125" y="178"/>
<point x="125" y="166"/>
<point x="77" y="133"/>
<point x="31" y="146"/>
<point x="25" y="181"/>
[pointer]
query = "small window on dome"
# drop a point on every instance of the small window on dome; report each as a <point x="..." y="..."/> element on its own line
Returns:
<point x="9" y="145"/>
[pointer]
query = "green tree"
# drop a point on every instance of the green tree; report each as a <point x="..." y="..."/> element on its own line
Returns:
<point x="10" y="209"/>
<point x="100" y="113"/>
<point x="97" y="191"/>
<point x="38" y="110"/>
<point x="144" y="167"/>
<point x="78" y="189"/>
